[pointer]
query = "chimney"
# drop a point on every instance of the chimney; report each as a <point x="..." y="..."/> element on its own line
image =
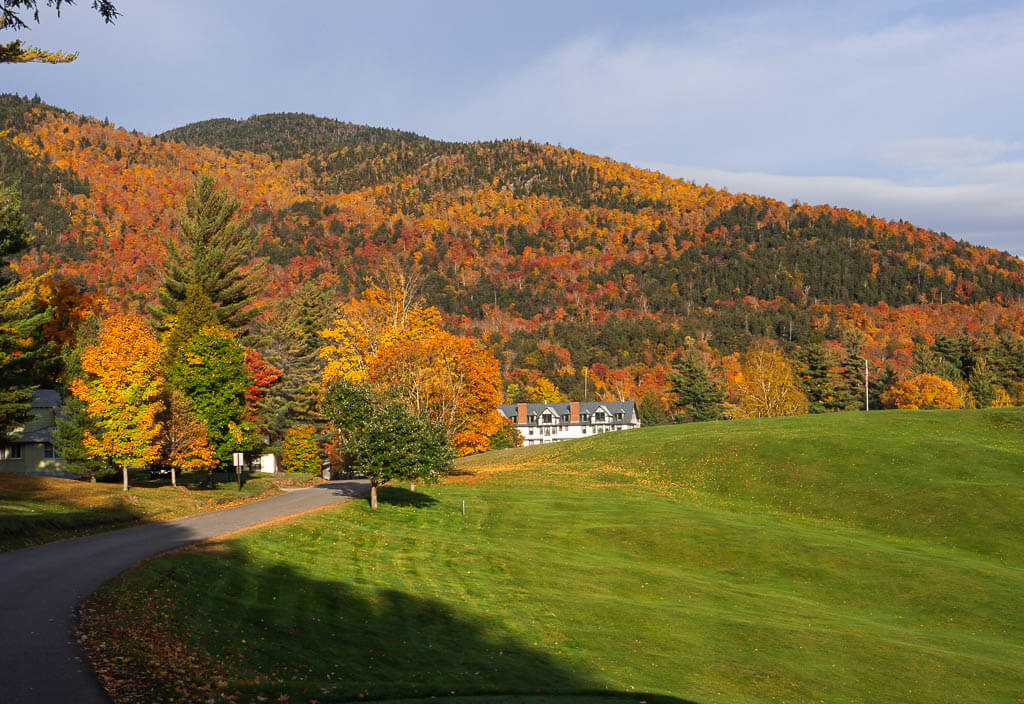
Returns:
<point x="574" y="412"/>
<point x="521" y="414"/>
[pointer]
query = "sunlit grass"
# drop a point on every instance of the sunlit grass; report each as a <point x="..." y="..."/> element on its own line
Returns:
<point x="840" y="558"/>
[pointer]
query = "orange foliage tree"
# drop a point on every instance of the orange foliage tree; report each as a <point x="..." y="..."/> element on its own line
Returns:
<point x="184" y="440"/>
<point x="120" y="388"/>
<point x="453" y="380"/>
<point x="923" y="391"/>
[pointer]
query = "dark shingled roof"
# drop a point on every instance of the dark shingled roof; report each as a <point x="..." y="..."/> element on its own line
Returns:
<point x="562" y="408"/>
<point x="45" y="398"/>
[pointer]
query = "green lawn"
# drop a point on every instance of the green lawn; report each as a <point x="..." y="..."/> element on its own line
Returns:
<point x="36" y="510"/>
<point x="837" y="558"/>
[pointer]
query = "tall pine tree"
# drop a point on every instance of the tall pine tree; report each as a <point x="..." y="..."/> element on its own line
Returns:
<point x="698" y="397"/>
<point x="213" y="255"/>
<point x="22" y="316"/>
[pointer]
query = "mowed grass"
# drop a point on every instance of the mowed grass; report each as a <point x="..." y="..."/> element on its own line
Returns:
<point x="35" y="510"/>
<point x="838" y="558"/>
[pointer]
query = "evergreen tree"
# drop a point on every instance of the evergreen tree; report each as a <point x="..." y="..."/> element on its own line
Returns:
<point x="878" y="383"/>
<point x="286" y="343"/>
<point x="928" y="361"/>
<point x="310" y="314"/>
<point x="848" y="385"/>
<point x="214" y="250"/>
<point x="194" y="313"/>
<point x="813" y="365"/>
<point x="652" y="410"/>
<point x="69" y="440"/>
<point x="981" y="384"/>
<point x="1006" y="360"/>
<point x="23" y="355"/>
<point x="698" y="397"/>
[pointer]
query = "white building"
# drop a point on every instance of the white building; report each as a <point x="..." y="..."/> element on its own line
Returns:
<point x="553" y="422"/>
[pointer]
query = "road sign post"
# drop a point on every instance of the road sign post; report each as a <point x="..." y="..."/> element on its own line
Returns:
<point x="239" y="459"/>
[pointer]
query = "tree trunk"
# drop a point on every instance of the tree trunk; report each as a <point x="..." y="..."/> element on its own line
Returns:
<point x="373" y="496"/>
<point x="124" y="475"/>
<point x="174" y="476"/>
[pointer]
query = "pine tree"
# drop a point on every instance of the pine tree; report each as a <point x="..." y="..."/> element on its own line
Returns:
<point x="1006" y="360"/>
<point x="813" y="364"/>
<point x="194" y="313"/>
<point x="981" y="384"/>
<point x="698" y="397"/>
<point x="286" y="344"/>
<point x="23" y="355"/>
<point x="214" y="251"/>
<point x="69" y="440"/>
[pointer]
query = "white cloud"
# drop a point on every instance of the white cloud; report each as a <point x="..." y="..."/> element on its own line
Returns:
<point x="915" y="119"/>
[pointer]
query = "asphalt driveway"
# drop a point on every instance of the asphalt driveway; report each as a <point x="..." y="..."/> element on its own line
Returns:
<point x="41" y="587"/>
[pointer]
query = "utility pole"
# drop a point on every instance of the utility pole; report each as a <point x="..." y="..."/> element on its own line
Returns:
<point x="867" y="402"/>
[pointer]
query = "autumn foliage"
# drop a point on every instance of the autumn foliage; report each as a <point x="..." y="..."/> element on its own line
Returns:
<point x="765" y="386"/>
<point x="301" y="451"/>
<point x="121" y="386"/>
<point x="923" y="391"/>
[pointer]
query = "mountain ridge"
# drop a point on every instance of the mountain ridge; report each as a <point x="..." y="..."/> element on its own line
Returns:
<point x="558" y="259"/>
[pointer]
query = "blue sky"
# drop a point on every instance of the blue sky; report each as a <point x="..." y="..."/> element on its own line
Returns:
<point x="907" y="110"/>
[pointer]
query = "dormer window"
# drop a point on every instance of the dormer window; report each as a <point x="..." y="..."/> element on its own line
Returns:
<point x="546" y="417"/>
<point x="599" y="417"/>
<point x="618" y="416"/>
<point x="532" y="419"/>
<point x="514" y="419"/>
<point x="585" y="417"/>
<point x="565" y="418"/>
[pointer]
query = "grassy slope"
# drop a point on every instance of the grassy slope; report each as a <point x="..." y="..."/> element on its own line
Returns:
<point x="35" y="510"/>
<point x="846" y="557"/>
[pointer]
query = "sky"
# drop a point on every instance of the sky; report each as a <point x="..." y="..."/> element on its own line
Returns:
<point x="905" y="110"/>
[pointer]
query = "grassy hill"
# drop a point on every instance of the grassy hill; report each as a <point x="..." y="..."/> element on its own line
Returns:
<point x="839" y="558"/>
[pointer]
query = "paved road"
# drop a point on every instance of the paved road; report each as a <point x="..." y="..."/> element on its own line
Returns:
<point x="40" y="588"/>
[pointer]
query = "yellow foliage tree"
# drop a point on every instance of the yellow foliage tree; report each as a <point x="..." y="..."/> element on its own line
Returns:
<point x="1001" y="399"/>
<point x="544" y="391"/>
<point x="121" y="388"/>
<point x="923" y="391"/>
<point x="766" y="386"/>
<point x="368" y="324"/>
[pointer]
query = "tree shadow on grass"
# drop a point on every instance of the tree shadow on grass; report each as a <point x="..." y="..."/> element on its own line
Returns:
<point x="398" y="496"/>
<point x="323" y="639"/>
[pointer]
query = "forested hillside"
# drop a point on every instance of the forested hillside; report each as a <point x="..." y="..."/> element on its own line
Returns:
<point x="576" y="270"/>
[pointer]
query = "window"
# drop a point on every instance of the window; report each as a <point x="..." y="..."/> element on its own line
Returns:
<point x="546" y="418"/>
<point x="13" y="453"/>
<point x="531" y="419"/>
<point x="49" y="451"/>
<point x="585" y="417"/>
<point x="599" y="416"/>
<point x="618" y="416"/>
<point x="584" y="431"/>
<point x="565" y="418"/>
<point x="530" y="431"/>
<point x="514" y="419"/>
